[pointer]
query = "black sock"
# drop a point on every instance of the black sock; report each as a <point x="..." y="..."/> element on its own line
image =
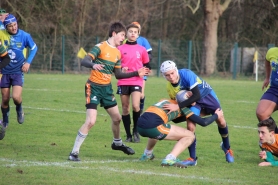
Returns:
<point x="127" y="122"/>
<point x="5" y="114"/>
<point x="135" y="117"/>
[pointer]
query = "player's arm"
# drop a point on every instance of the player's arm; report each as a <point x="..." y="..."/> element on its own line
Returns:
<point x="195" y="97"/>
<point x="87" y="62"/>
<point x="271" y="159"/>
<point x="203" y="121"/>
<point x="5" y="58"/>
<point x="120" y="75"/>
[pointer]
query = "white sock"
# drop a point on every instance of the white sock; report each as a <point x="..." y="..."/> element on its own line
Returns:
<point x="148" y="152"/>
<point x="118" y="142"/>
<point x="171" y="157"/>
<point x="78" y="142"/>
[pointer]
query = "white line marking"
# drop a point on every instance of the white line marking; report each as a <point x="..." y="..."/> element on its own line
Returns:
<point x="14" y="163"/>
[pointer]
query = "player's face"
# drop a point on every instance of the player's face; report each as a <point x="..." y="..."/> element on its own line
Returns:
<point x="264" y="135"/>
<point x="119" y="38"/>
<point x="12" y="28"/>
<point x="172" y="76"/>
<point x="132" y="34"/>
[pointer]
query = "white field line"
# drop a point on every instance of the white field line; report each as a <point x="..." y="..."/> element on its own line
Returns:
<point x="83" y="112"/>
<point x="13" y="163"/>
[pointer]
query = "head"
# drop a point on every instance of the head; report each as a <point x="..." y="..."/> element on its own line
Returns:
<point x="266" y="130"/>
<point x="132" y="32"/>
<point x="170" y="71"/>
<point x="137" y="24"/>
<point x="10" y="24"/>
<point x="117" y="32"/>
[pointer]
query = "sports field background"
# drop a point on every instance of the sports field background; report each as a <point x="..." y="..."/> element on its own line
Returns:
<point x="54" y="105"/>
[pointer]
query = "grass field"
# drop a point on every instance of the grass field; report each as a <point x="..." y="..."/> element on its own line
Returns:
<point x="36" y="152"/>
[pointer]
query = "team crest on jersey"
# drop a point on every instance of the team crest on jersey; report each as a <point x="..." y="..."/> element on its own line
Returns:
<point x="19" y="44"/>
<point x="138" y="54"/>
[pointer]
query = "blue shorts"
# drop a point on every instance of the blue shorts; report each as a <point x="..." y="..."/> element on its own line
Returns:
<point x="145" y="78"/>
<point x="271" y="94"/>
<point x="9" y="80"/>
<point x="207" y="105"/>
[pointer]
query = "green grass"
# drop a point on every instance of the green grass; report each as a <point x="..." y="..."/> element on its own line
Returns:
<point x="36" y="152"/>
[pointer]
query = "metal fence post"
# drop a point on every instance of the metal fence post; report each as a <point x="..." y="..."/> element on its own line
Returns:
<point x="235" y="60"/>
<point x="189" y="54"/>
<point x="63" y="54"/>
<point x="159" y="58"/>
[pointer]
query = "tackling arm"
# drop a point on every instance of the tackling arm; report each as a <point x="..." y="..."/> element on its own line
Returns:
<point x="195" y="97"/>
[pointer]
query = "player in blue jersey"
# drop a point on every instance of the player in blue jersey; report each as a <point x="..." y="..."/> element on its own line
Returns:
<point x="205" y="98"/>
<point x="145" y="43"/>
<point x="15" y="40"/>
<point x="269" y="100"/>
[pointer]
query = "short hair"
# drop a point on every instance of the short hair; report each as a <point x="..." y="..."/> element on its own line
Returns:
<point x="133" y="26"/>
<point x="116" y="27"/>
<point x="269" y="123"/>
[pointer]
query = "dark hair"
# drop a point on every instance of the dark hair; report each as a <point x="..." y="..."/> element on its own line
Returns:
<point x="116" y="27"/>
<point x="269" y="123"/>
<point x="133" y="26"/>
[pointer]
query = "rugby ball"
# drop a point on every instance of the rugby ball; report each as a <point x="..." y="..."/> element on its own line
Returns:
<point x="181" y="96"/>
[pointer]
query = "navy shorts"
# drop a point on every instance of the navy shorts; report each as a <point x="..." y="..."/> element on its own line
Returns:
<point x="9" y="80"/>
<point x="271" y="94"/>
<point x="207" y="105"/>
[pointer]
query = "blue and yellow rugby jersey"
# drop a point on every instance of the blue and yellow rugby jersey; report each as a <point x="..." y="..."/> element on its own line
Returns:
<point x="109" y="56"/>
<point x="272" y="57"/>
<point x="188" y="80"/>
<point x="16" y="45"/>
<point x="157" y="109"/>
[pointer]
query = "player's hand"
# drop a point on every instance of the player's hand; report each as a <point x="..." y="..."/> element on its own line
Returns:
<point x="265" y="83"/>
<point x="171" y="107"/>
<point x="98" y="67"/>
<point x="219" y="112"/>
<point x="25" y="67"/>
<point x="262" y="154"/>
<point x="265" y="164"/>
<point x="124" y="69"/>
<point x="143" y="72"/>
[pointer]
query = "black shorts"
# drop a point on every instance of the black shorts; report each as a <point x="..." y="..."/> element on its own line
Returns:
<point x="128" y="89"/>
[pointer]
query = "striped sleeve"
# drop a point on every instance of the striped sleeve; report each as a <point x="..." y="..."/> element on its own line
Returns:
<point x="3" y="51"/>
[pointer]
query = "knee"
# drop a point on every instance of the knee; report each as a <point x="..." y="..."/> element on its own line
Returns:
<point x="135" y="108"/>
<point x="191" y="127"/>
<point x="117" y="120"/>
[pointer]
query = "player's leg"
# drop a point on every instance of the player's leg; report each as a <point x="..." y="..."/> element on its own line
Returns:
<point x="212" y="103"/>
<point x="135" y="98"/>
<point x="183" y="137"/>
<point x="17" y="98"/>
<point x="192" y="160"/>
<point x="111" y="107"/>
<point x="124" y="92"/>
<point x="267" y="104"/>
<point x="91" y="114"/>
<point x="117" y="141"/>
<point x="5" y="91"/>
<point x="148" y="152"/>
<point x="142" y="98"/>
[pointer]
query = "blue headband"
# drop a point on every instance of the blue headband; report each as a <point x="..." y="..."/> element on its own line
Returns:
<point x="10" y="19"/>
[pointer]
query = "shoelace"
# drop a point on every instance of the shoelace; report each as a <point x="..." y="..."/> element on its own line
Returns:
<point x="230" y="152"/>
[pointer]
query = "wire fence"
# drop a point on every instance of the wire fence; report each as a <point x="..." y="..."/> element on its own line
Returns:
<point x="59" y="55"/>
